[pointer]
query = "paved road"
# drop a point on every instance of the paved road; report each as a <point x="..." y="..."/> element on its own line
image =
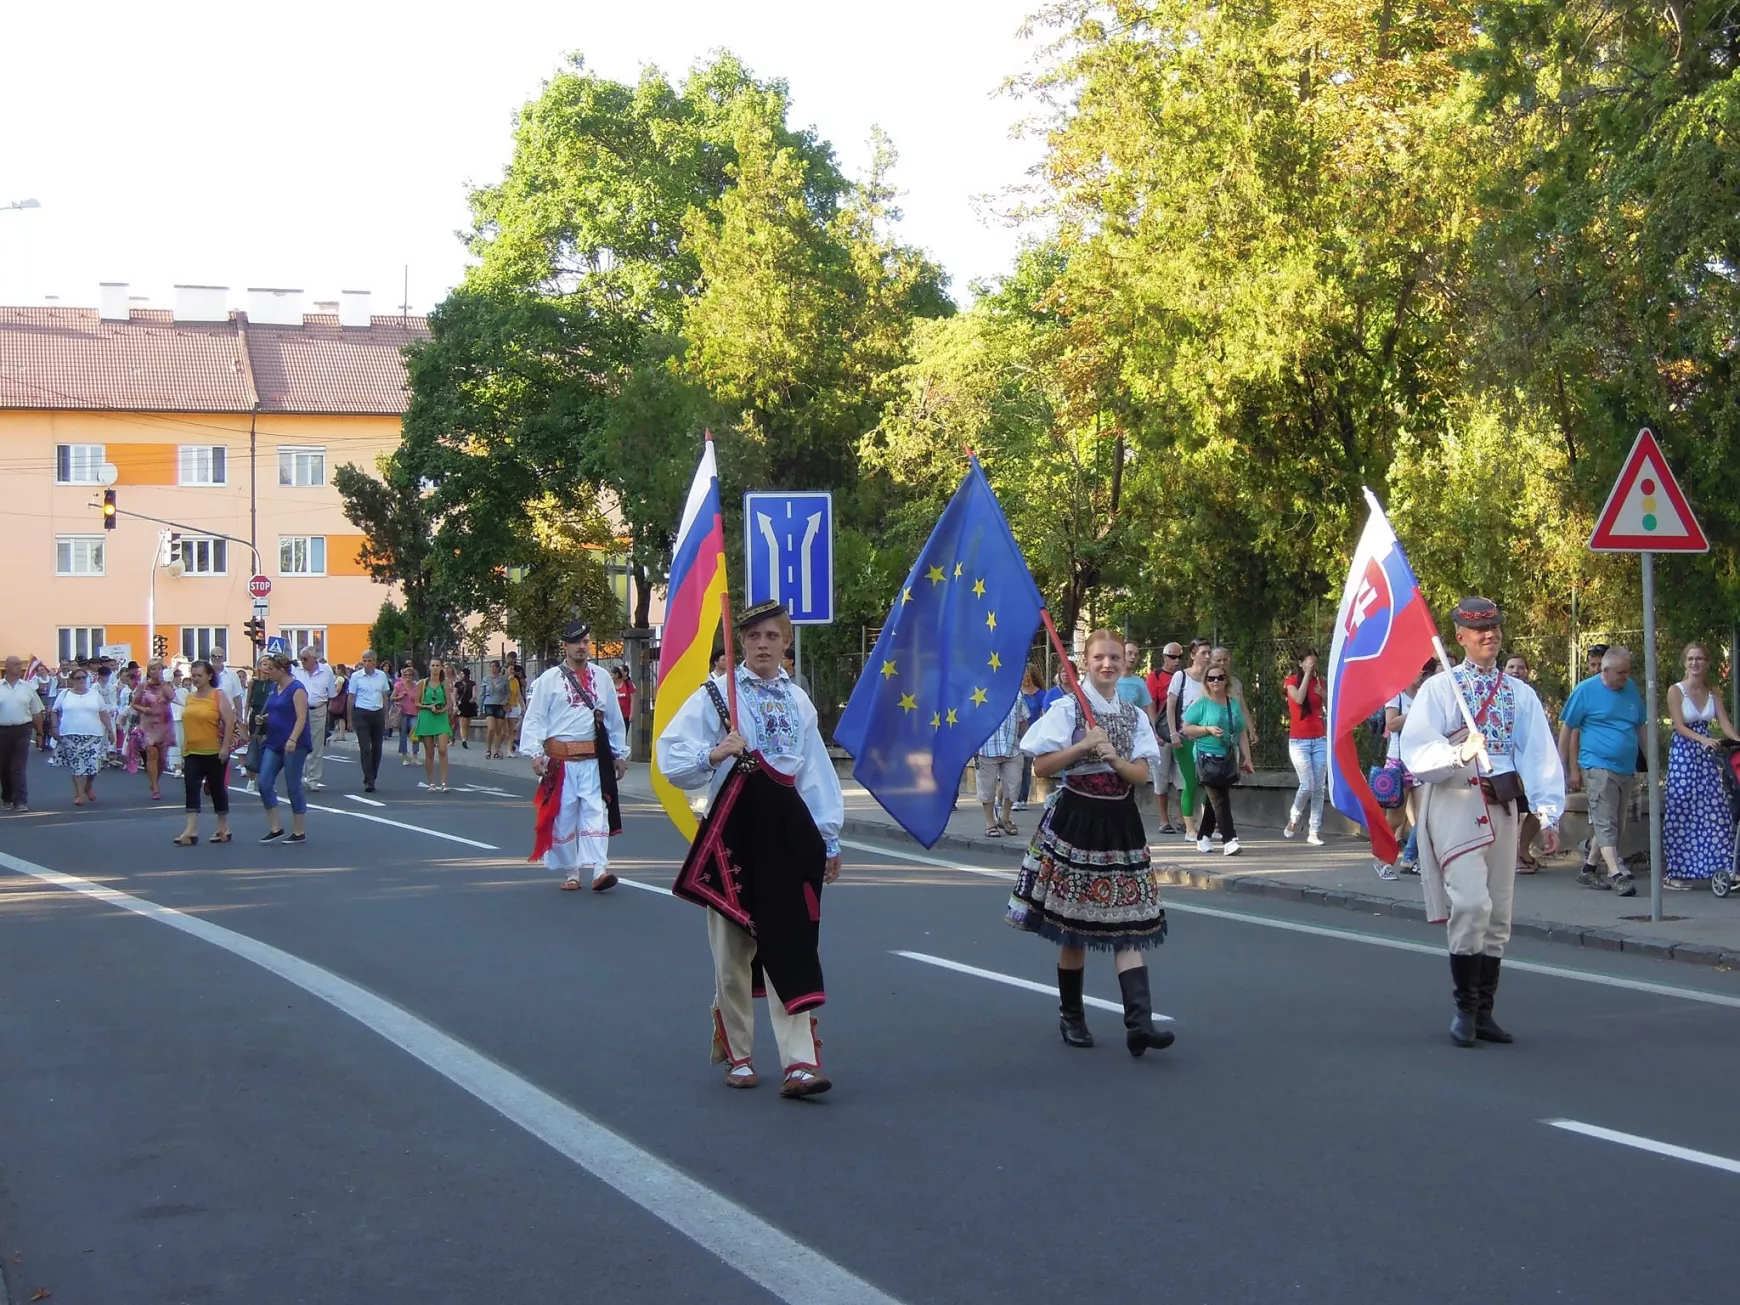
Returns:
<point x="184" y="1122"/>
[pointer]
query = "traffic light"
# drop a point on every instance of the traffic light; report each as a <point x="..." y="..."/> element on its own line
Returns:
<point x="255" y="629"/>
<point x="108" y="509"/>
<point x="160" y="647"/>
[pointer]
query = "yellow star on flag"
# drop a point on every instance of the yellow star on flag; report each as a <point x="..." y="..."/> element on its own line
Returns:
<point x="952" y="720"/>
<point x="906" y="595"/>
<point x="888" y="671"/>
<point x="978" y="588"/>
<point x="935" y="575"/>
<point x="907" y="702"/>
<point x="957" y="570"/>
<point x="996" y="662"/>
<point x="991" y="620"/>
<point x="979" y="696"/>
<point x="935" y="720"/>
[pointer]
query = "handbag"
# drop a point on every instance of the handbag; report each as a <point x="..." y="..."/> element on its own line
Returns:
<point x="1219" y="769"/>
<point x="1386" y="785"/>
<point x="251" y="758"/>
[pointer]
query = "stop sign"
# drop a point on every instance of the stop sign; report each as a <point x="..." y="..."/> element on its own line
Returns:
<point x="259" y="586"/>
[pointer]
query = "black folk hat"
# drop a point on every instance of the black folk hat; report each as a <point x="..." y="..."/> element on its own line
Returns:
<point x="1476" y="613"/>
<point x="759" y="613"/>
<point x="575" y="631"/>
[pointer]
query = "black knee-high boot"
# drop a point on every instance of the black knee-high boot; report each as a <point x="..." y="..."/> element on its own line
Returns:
<point x="1139" y="1030"/>
<point x="1465" y="975"/>
<point x="1485" y="1027"/>
<point x="1072" y="1020"/>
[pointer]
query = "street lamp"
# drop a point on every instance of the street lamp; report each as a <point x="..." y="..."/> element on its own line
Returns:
<point x="21" y="203"/>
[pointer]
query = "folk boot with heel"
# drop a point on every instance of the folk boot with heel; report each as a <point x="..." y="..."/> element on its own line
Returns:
<point x="1071" y="1019"/>
<point x="1139" y="1031"/>
<point x="1465" y="975"/>
<point x="1485" y="1027"/>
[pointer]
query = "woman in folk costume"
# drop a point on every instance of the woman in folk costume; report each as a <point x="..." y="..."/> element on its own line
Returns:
<point x="1087" y="880"/>
<point x="1471" y="784"/>
<point x="579" y="747"/>
<point x="769" y="841"/>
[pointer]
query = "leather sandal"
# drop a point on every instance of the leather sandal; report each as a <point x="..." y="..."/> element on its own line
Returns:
<point x="571" y="884"/>
<point x="741" y="1076"/>
<point x="187" y="840"/>
<point x="801" y="1081"/>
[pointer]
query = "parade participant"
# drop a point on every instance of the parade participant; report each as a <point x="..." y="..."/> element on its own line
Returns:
<point x="1160" y="686"/>
<point x="1185" y="689"/>
<point x="1528" y="824"/>
<point x="769" y="842"/>
<point x="21" y="713"/>
<point x="1087" y="880"/>
<point x="1307" y="746"/>
<point x="1470" y="783"/>
<point x="1601" y="736"/>
<point x="572" y="720"/>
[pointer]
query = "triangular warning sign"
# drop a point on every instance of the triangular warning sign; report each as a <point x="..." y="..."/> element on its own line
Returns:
<point x="1646" y="513"/>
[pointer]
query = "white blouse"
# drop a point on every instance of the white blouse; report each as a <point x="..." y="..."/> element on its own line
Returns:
<point x="775" y="718"/>
<point x="80" y="713"/>
<point x="1056" y="730"/>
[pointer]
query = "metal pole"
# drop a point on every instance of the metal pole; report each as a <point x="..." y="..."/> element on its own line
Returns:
<point x="797" y="652"/>
<point x="151" y="600"/>
<point x="1652" y="739"/>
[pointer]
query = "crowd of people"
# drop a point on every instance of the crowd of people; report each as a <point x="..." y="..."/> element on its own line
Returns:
<point x="1196" y="706"/>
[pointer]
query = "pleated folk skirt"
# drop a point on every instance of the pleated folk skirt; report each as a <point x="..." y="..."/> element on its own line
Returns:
<point x="1087" y="879"/>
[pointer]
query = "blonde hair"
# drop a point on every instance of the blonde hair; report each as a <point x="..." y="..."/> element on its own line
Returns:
<point x="1700" y="646"/>
<point x="1103" y="635"/>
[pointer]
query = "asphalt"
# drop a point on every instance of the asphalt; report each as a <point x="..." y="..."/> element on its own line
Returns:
<point x="181" y="1125"/>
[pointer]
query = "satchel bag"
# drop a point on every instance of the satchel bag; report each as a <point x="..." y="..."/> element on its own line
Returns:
<point x="1220" y="769"/>
<point x="1386" y="785"/>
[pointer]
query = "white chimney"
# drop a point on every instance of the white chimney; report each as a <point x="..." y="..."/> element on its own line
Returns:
<point x="202" y="303"/>
<point x="326" y="307"/>
<point x="353" y="309"/>
<point x="112" y="301"/>
<point x="267" y="307"/>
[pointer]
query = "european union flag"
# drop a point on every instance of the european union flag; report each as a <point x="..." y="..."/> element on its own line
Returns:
<point x="948" y="666"/>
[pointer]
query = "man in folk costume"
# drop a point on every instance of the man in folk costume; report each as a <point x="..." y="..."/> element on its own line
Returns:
<point x="1471" y="785"/>
<point x="573" y="726"/>
<point x="769" y="841"/>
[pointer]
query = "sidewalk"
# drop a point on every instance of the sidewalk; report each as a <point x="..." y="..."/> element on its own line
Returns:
<point x="1697" y="927"/>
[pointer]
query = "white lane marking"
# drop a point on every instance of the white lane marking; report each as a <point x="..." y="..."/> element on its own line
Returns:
<point x="1050" y="990"/>
<point x="776" y="1261"/>
<point x="396" y="824"/>
<point x="479" y="788"/>
<point x="1351" y="935"/>
<point x="1667" y="1149"/>
<point x="645" y="888"/>
<point x="367" y="802"/>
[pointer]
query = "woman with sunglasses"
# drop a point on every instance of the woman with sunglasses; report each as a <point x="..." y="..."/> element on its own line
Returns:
<point x="84" y="728"/>
<point x="1087" y="880"/>
<point x="1216" y="723"/>
<point x="1181" y="695"/>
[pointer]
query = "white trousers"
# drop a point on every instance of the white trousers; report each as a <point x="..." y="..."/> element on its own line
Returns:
<point x="315" y="766"/>
<point x="794" y="1036"/>
<point x="1481" y="887"/>
<point x="582" y="824"/>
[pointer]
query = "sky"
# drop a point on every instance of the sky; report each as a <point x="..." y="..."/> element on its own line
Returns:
<point x="324" y="146"/>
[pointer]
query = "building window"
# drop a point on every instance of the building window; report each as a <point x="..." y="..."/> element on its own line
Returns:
<point x="301" y="467"/>
<point x="80" y="641"/>
<point x="302" y="555"/>
<point x="202" y="556"/>
<point x="296" y="638"/>
<point x="197" y="641"/>
<point x="78" y="555"/>
<point x="78" y="464"/>
<point x="204" y="464"/>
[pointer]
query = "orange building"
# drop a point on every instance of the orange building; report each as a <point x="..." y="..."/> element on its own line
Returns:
<point x="225" y="425"/>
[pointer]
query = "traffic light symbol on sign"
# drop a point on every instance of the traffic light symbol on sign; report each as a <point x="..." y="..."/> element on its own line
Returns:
<point x="108" y="509"/>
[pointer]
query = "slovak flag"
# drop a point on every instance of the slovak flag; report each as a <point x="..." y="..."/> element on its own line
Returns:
<point x="1383" y="635"/>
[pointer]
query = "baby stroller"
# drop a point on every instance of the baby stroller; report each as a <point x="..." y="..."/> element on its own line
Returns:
<point x="1726" y="881"/>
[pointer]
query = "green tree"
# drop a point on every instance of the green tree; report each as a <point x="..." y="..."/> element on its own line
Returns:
<point x="393" y="513"/>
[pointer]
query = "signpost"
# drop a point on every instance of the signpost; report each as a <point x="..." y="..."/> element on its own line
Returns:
<point x="788" y="544"/>
<point x="276" y="644"/>
<point x="1646" y="513"/>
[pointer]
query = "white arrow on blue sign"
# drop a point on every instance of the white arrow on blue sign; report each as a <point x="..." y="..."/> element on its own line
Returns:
<point x="789" y="552"/>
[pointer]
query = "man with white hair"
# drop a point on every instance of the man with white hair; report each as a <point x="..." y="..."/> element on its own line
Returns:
<point x="315" y="676"/>
<point x="1600" y="736"/>
<point x="20" y="720"/>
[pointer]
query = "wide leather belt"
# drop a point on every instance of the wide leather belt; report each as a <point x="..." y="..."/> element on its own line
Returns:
<point x="569" y="749"/>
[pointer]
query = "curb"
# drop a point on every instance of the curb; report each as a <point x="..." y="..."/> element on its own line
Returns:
<point x="1592" y="936"/>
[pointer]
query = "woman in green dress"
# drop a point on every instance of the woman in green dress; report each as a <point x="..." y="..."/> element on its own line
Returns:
<point x="434" y="727"/>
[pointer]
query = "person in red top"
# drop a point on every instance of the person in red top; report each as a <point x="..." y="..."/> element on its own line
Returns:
<point x="1307" y="745"/>
<point x="1159" y="681"/>
<point x="624" y="691"/>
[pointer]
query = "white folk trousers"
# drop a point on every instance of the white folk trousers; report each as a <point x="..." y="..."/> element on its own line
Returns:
<point x="1481" y="886"/>
<point x="582" y="824"/>
<point x="794" y="1036"/>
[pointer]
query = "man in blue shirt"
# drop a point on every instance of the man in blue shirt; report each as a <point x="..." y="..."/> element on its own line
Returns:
<point x="1132" y="687"/>
<point x="1600" y="735"/>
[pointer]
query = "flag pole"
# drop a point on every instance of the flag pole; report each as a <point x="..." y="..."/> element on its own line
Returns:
<point x="730" y="656"/>
<point x="1069" y="676"/>
<point x="1467" y="716"/>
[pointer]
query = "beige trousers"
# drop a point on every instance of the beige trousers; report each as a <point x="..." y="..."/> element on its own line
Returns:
<point x="734" y="1004"/>
<point x="1481" y="887"/>
<point x="315" y="766"/>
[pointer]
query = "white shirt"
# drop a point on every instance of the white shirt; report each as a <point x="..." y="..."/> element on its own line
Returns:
<point x="319" y="682"/>
<point x="1404" y="703"/>
<point x="81" y="713"/>
<point x="19" y="702"/>
<point x="230" y="685"/>
<point x="777" y="719"/>
<point x="1187" y="689"/>
<point x="369" y="691"/>
<point x="1056" y="731"/>
<point x="1436" y="719"/>
<point x="550" y="714"/>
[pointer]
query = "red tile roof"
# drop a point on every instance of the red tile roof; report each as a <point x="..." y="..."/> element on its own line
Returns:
<point x="69" y="358"/>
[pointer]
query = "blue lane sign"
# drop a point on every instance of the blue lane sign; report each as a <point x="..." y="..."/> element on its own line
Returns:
<point x="789" y="552"/>
<point x="276" y="644"/>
